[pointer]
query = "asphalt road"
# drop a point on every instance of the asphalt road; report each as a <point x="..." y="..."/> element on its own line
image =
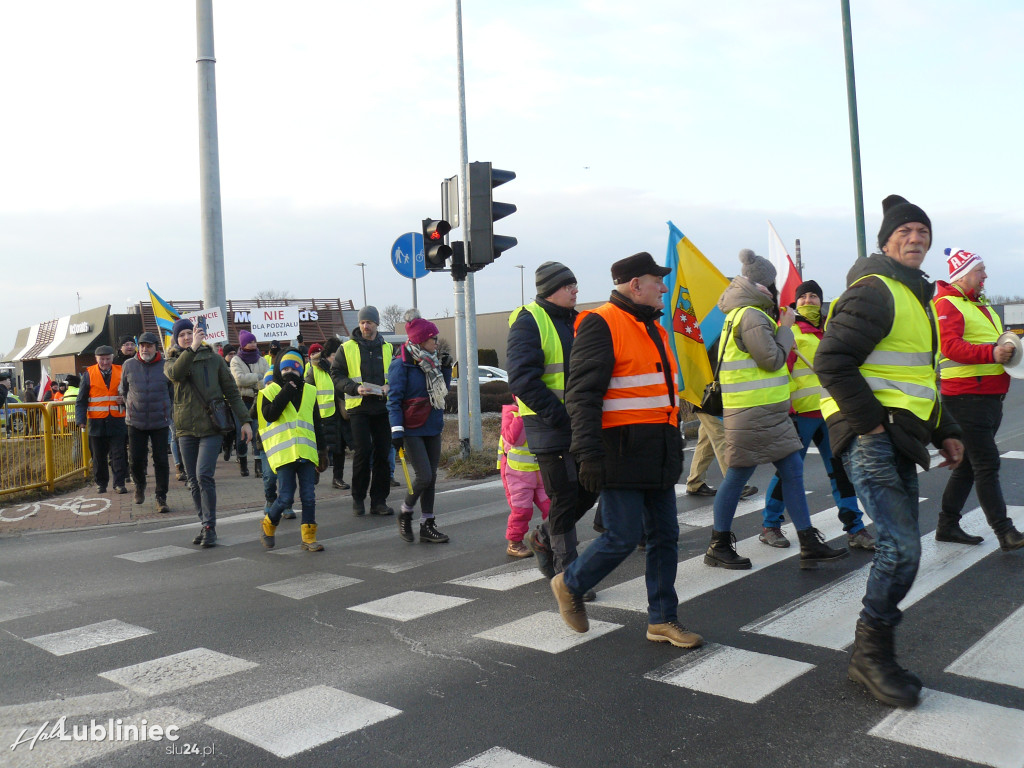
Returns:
<point x="381" y="653"/>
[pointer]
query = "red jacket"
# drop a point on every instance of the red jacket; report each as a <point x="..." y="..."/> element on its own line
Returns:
<point x="951" y="330"/>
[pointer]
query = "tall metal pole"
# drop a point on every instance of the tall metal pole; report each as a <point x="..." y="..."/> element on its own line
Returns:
<point x="362" y="268"/>
<point x="851" y="97"/>
<point x="522" y="289"/>
<point x="212" y="232"/>
<point x="469" y="371"/>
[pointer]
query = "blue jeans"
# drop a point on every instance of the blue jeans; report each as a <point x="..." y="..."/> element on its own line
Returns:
<point x="813" y="428"/>
<point x="269" y="485"/>
<point x="303" y="472"/>
<point x="627" y="515"/>
<point x="175" y="451"/>
<point x="199" y="455"/>
<point x="790" y="469"/>
<point x="886" y="482"/>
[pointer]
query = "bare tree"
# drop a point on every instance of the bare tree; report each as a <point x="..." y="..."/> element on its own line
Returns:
<point x="997" y="298"/>
<point x="272" y="294"/>
<point x="390" y="317"/>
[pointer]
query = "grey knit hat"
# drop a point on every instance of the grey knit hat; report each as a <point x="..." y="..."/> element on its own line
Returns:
<point x="552" y="275"/>
<point x="757" y="268"/>
<point x="370" y="313"/>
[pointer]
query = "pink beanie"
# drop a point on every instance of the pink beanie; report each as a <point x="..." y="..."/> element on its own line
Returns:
<point x="419" y="330"/>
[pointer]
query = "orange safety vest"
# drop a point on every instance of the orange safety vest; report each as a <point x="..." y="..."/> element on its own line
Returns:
<point x="103" y="399"/>
<point x="638" y="392"/>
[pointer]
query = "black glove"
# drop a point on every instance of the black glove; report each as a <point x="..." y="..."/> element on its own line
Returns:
<point x="398" y="441"/>
<point x="591" y="474"/>
<point x="445" y="360"/>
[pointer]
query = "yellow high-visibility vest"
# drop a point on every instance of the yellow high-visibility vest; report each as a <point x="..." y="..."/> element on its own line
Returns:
<point x="324" y="391"/>
<point x="804" y="388"/>
<point x="744" y="383"/>
<point x="978" y="329"/>
<point x="292" y="436"/>
<point x="554" y="361"/>
<point x="354" y="360"/>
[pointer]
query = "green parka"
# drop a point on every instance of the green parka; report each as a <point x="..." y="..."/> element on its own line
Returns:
<point x="213" y="379"/>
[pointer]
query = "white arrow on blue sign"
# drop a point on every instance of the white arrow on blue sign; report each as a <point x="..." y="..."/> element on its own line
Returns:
<point x="407" y="256"/>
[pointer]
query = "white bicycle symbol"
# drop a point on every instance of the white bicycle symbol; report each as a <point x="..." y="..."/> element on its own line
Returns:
<point x="80" y="505"/>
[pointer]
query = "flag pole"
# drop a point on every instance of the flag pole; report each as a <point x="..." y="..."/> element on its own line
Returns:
<point x="851" y="97"/>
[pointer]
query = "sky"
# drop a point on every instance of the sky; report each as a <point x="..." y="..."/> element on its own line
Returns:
<point x="337" y="122"/>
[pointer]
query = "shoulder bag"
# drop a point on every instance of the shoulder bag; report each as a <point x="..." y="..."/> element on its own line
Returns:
<point x="711" y="403"/>
<point x="217" y="409"/>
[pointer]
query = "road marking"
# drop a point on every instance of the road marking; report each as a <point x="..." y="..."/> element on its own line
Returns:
<point x="961" y="728"/>
<point x="476" y="487"/>
<point x="31" y="605"/>
<point x="406" y="606"/>
<point x="1012" y="455"/>
<point x="705" y="516"/>
<point x="732" y="673"/>
<point x="693" y="578"/>
<point x="180" y="670"/>
<point x="999" y="656"/>
<point x="308" y="584"/>
<point x="90" y="636"/>
<point x="159" y="553"/>
<point x="502" y="578"/>
<point x="239" y="538"/>
<point x="545" y="631"/>
<point x="91" y="704"/>
<point x="827" y="616"/>
<point x="221" y="521"/>
<point x="300" y="721"/>
<point x="420" y="556"/>
<point x="502" y="758"/>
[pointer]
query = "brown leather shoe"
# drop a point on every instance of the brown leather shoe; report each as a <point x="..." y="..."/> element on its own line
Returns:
<point x="570" y="605"/>
<point x="518" y="549"/>
<point x="675" y="633"/>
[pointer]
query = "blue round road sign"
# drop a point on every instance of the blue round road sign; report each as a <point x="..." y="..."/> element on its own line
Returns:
<point x="407" y="256"/>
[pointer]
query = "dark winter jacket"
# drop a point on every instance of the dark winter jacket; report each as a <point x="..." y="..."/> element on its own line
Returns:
<point x="858" y="321"/>
<point x="548" y="430"/>
<point x="636" y="456"/>
<point x="213" y="379"/>
<point x="147" y="393"/>
<point x="407" y="381"/>
<point x="272" y="409"/>
<point x="371" y="369"/>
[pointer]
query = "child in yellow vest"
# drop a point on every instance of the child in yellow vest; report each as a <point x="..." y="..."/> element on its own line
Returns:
<point x="289" y="426"/>
<point x="520" y="475"/>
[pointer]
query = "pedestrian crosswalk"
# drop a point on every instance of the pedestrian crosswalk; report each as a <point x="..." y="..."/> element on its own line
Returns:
<point x="301" y="716"/>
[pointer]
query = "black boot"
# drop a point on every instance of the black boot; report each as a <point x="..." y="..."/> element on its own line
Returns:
<point x="814" y="550"/>
<point x="1010" y="540"/>
<point x="181" y="472"/>
<point x="243" y="465"/>
<point x="873" y="665"/>
<point x="257" y="467"/>
<point x="405" y="526"/>
<point x="722" y="552"/>
<point x="429" y="533"/>
<point x="209" y="537"/>
<point x="950" y="530"/>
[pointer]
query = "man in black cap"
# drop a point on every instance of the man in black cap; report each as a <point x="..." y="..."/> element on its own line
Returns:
<point x="100" y="408"/>
<point x="148" y="394"/>
<point x="622" y="403"/>
<point x="127" y="350"/>
<point x="540" y="340"/>
<point x="877" y="363"/>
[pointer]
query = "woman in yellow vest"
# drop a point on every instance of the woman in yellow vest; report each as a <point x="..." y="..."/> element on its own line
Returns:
<point x="289" y="425"/>
<point x="755" y="399"/>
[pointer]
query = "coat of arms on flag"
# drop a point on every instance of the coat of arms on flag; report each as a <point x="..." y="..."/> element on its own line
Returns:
<point x="684" y="318"/>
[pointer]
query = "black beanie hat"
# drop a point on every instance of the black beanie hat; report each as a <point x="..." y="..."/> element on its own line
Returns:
<point x="896" y="212"/>
<point x="809" y="286"/>
<point x="552" y="275"/>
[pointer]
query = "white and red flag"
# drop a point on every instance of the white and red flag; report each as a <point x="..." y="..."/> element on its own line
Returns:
<point x="787" y="278"/>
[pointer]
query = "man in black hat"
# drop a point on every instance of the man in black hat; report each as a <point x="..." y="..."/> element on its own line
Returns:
<point x="540" y="340"/>
<point x="148" y="395"/>
<point x="127" y="350"/>
<point x="877" y="363"/>
<point x="622" y="403"/>
<point x="100" y="408"/>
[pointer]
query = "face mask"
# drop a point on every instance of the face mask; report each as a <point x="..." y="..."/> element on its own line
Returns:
<point x="291" y="373"/>
<point x="811" y="313"/>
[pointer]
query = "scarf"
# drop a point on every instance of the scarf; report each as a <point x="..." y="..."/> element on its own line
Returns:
<point x="249" y="356"/>
<point x="431" y="367"/>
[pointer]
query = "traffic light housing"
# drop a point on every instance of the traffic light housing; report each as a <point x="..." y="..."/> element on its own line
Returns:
<point x="484" y="245"/>
<point x="435" y="251"/>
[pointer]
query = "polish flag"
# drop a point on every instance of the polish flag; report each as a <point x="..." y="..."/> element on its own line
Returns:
<point x="44" y="384"/>
<point x="787" y="278"/>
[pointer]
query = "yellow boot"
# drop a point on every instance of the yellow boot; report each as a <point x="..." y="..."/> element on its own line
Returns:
<point x="267" y="534"/>
<point x="309" y="542"/>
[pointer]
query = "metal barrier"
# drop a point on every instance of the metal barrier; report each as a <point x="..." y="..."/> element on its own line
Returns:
<point x="39" y="445"/>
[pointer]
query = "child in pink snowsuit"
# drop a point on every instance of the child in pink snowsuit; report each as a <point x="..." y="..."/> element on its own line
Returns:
<point x="521" y="477"/>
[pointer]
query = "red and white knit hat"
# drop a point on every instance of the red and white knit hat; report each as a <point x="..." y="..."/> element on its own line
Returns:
<point x="961" y="262"/>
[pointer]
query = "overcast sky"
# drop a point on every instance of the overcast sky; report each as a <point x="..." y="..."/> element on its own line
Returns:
<point x="338" y="121"/>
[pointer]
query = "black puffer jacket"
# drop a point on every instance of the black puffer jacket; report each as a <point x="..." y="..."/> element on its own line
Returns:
<point x="371" y="369"/>
<point x="547" y="431"/>
<point x="858" y="321"/>
<point x="637" y="456"/>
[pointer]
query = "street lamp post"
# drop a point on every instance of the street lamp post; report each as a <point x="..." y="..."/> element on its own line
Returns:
<point x="522" y="290"/>
<point x="362" y="268"/>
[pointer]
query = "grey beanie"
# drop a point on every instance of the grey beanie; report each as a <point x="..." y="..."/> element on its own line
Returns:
<point x="370" y="313"/>
<point x="757" y="268"/>
<point x="552" y="275"/>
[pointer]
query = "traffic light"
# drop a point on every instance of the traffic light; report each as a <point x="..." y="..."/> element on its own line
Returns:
<point x="484" y="245"/>
<point x="435" y="250"/>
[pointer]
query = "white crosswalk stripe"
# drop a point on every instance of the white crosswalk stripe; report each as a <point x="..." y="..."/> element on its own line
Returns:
<point x="157" y="553"/>
<point x="407" y="606"/>
<point x="85" y="638"/>
<point x="308" y="585"/>
<point x="546" y="632"/>
<point x="177" y="671"/>
<point x="501" y="758"/>
<point x="502" y="578"/>
<point x="997" y="657"/>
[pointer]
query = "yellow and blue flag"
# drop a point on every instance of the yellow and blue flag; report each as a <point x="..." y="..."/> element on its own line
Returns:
<point x="165" y="316"/>
<point x="692" y="317"/>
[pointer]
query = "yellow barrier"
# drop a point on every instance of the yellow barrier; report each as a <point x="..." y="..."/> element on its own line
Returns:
<point x="39" y="445"/>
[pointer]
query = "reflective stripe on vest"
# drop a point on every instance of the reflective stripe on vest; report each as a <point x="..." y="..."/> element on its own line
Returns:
<point x="324" y="391"/>
<point x="354" y="360"/>
<point x="554" y="360"/>
<point x="744" y="383"/>
<point x="292" y="436"/>
<point x="638" y="393"/>
<point x="804" y="388"/>
<point x="901" y="369"/>
<point x="103" y="398"/>
<point x="978" y="329"/>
